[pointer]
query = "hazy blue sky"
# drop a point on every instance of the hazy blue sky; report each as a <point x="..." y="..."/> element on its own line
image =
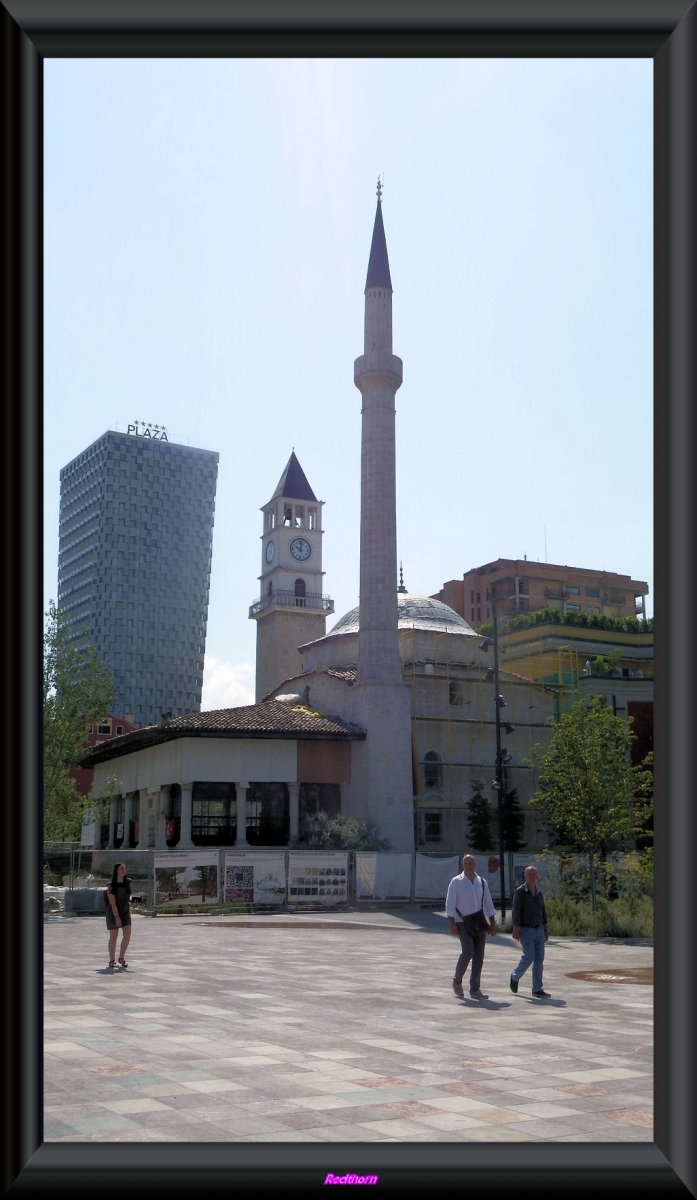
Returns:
<point x="207" y="229"/>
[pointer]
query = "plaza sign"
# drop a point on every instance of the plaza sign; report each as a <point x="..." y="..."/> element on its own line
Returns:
<point x="145" y="429"/>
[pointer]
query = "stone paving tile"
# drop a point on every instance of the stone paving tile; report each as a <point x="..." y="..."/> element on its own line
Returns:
<point x="269" y="1043"/>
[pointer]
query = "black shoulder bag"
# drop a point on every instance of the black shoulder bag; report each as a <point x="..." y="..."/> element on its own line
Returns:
<point x="477" y="922"/>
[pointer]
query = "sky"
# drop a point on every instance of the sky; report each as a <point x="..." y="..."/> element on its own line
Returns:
<point x="207" y="231"/>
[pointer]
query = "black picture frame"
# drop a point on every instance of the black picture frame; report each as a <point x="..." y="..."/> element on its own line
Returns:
<point x="664" y="30"/>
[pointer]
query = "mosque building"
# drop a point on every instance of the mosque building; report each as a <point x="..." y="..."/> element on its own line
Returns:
<point x="391" y="715"/>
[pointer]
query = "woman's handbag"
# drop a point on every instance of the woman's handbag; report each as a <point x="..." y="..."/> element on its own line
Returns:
<point x="475" y="923"/>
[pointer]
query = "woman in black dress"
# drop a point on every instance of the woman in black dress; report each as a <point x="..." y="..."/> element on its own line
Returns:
<point x="118" y="913"/>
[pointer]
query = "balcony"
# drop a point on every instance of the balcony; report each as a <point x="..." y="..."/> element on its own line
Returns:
<point x="281" y="598"/>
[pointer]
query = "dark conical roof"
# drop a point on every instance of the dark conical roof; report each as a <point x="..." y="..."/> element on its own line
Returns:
<point x="378" y="263"/>
<point x="293" y="482"/>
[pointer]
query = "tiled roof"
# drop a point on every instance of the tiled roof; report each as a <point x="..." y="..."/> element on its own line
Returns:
<point x="270" y="719"/>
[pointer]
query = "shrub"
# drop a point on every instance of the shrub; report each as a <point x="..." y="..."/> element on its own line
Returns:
<point x="322" y="832"/>
<point x="627" y="918"/>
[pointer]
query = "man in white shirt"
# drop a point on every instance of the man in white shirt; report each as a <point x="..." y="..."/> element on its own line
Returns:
<point x="469" y="893"/>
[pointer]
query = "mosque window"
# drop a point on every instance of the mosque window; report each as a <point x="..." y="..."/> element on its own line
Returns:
<point x="457" y="691"/>
<point x="433" y="827"/>
<point x="433" y="769"/>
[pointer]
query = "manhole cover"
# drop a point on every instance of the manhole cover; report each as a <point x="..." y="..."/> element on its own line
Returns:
<point x="631" y="975"/>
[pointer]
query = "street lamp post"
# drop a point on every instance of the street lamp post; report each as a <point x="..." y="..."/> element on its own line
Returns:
<point x="499" y="703"/>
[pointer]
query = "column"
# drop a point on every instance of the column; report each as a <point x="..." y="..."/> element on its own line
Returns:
<point x="142" y="842"/>
<point x="128" y="817"/>
<point x="241" y="790"/>
<point x="161" y="800"/>
<point x="294" y="798"/>
<point x="113" y="814"/>
<point x="185" y="842"/>
<point x="342" y="799"/>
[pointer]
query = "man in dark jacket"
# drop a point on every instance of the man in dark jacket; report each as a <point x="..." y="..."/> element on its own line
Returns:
<point x="530" y="928"/>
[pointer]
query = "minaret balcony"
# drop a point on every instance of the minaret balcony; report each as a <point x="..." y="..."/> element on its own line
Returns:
<point x="281" y="598"/>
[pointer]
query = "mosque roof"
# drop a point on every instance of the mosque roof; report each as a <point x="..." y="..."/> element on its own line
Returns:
<point x="270" y="719"/>
<point x="293" y="482"/>
<point x="378" y="263"/>
<point x="414" y="612"/>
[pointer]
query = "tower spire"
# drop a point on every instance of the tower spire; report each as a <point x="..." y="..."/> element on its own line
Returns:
<point x="381" y="700"/>
<point x="378" y="263"/>
<point x="378" y="374"/>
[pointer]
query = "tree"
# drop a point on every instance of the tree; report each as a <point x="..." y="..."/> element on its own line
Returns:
<point x="77" y="689"/>
<point x="587" y="787"/>
<point x="323" y="832"/>
<point x="479" y="831"/>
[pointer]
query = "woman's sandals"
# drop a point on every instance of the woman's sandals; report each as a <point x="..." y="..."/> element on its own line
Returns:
<point x="122" y="963"/>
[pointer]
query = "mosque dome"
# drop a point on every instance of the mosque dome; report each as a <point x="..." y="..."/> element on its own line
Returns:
<point x="414" y="612"/>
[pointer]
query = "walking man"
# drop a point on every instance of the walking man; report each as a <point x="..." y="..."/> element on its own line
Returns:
<point x="530" y="928"/>
<point x="468" y="895"/>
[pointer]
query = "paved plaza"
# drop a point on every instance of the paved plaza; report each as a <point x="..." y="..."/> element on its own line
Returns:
<point x="338" y="1027"/>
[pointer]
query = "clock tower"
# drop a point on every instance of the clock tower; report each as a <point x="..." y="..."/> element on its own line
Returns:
<point x="291" y="609"/>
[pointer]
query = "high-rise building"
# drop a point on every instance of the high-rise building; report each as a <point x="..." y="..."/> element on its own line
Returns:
<point x="134" y="562"/>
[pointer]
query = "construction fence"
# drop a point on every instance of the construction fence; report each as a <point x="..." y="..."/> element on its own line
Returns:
<point x="291" y="880"/>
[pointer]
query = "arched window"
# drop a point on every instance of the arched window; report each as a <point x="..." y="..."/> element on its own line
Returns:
<point x="433" y="769"/>
<point x="300" y="593"/>
<point x="270" y="589"/>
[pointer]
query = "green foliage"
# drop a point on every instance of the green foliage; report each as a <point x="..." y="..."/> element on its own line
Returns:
<point x="323" y="832"/>
<point x="77" y="690"/>
<point x="588" y="789"/>
<point x="622" y="876"/>
<point x="556" y="616"/>
<point x="602" y="664"/>
<point x="479" y="819"/>
<point x="624" y="918"/>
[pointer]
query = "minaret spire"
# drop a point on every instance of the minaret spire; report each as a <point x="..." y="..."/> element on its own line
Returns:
<point x="378" y="374"/>
<point x="381" y="700"/>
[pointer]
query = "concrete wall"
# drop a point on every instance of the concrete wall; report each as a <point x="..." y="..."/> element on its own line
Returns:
<point x="216" y="760"/>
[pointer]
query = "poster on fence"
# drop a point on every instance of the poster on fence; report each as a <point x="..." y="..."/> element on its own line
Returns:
<point x="383" y="876"/>
<point x="186" y="875"/>
<point x="489" y="866"/>
<point x="254" y="878"/>
<point x="89" y="825"/>
<point x="318" y="878"/>
<point x="432" y="876"/>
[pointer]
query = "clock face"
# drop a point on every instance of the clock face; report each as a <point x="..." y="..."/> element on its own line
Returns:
<point x="270" y="551"/>
<point x="300" y="549"/>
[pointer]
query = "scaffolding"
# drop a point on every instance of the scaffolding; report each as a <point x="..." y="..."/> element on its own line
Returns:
<point x="454" y="723"/>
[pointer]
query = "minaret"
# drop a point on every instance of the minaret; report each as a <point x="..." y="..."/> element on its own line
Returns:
<point x="382" y="700"/>
<point x="291" y="608"/>
<point x="378" y="374"/>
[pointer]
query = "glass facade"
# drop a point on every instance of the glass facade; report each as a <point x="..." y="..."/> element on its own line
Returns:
<point x="134" y="562"/>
